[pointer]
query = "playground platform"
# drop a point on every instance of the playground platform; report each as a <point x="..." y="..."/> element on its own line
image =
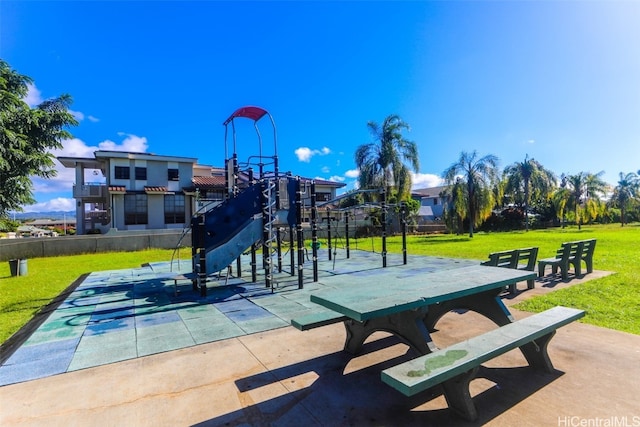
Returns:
<point x="123" y="348"/>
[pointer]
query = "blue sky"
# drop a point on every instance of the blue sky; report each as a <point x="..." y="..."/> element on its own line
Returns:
<point x="558" y="81"/>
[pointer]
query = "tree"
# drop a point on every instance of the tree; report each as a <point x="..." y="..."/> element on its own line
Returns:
<point x="526" y="180"/>
<point x="455" y="206"/>
<point x="386" y="162"/>
<point x="583" y="194"/>
<point x="479" y="175"/>
<point x="26" y="136"/>
<point x="626" y="192"/>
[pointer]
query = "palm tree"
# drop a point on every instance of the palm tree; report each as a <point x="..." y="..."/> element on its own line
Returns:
<point x="527" y="180"/>
<point x="584" y="191"/>
<point x="383" y="163"/>
<point x="627" y="190"/>
<point x="560" y="200"/>
<point x="455" y="205"/>
<point x="478" y="175"/>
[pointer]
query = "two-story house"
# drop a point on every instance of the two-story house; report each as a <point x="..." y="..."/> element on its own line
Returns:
<point x="143" y="191"/>
<point x="431" y="203"/>
<point x="137" y="191"/>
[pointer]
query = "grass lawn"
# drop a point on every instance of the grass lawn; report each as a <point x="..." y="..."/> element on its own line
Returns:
<point x="612" y="301"/>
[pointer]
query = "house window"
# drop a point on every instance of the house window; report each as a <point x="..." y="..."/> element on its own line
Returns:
<point x="174" y="209"/>
<point x="121" y="172"/>
<point x="323" y="197"/>
<point x="173" y="175"/>
<point x="212" y="195"/>
<point x="141" y="174"/>
<point x="135" y="209"/>
<point x="435" y="201"/>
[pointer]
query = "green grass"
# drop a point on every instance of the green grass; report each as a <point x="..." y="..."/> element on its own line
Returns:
<point x="612" y="302"/>
<point x="21" y="297"/>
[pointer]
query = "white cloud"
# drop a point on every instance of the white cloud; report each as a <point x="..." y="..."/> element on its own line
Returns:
<point x="33" y="97"/>
<point x="93" y="119"/>
<point x="531" y="141"/>
<point x="336" y="178"/>
<point x="325" y="169"/>
<point x="305" y="154"/>
<point x="75" y="148"/>
<point x="77" y="115"/>
<point x="65" y="179"/>
<point x="352" y="173"/>
<point x="132" y="143"/>
<point x="425" y="180"/>
<point x="55" y="205"/>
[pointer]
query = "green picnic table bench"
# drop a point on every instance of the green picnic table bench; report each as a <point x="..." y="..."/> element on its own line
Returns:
<point x="522" y="259"/>
<point x="316" y="319"/>
<point x="454" y="367"/>
<point x="570" y="253"/>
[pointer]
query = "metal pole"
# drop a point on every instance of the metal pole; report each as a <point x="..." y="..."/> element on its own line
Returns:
<point x="299" y="233"/>
<point x="403" y="219"/>
<point x="279" y="246"/>
<point x="314" y="231"/>
<point x="329" y="232"/>
<point x="254" y="267"/>
<point x="292" y="256"/>
<point x="202" y="274"/>
<point x="384" y="228"/>
<point x="346" y="230"/>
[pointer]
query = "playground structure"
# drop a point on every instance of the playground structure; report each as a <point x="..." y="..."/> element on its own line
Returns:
<point x="260" y="205"/>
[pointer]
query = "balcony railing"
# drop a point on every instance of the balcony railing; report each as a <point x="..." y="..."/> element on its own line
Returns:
<point x="89" y="191"/>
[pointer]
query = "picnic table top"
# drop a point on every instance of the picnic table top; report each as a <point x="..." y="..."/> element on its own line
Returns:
<point x="394" y="290"/>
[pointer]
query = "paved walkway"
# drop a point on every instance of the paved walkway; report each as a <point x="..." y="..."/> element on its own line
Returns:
<point x="278" y="375"/>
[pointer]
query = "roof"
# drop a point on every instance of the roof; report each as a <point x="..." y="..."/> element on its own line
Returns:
<point x="106" y="154"/>
<point x="429" y="192"/>
<point x="117" y="189"/>
<point x="155" y="190"/>
<point x="71" y="162"/>
<point x="208" y="181"/>
<point x="324" y="182"/>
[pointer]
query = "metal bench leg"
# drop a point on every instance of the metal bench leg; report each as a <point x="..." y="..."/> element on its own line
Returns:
<point x="531" y="284"/>
<point x="458" y="396"/>
<point x="536" y="353"/>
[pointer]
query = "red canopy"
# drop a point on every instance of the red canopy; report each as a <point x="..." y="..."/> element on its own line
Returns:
<point x="254" y="113"/>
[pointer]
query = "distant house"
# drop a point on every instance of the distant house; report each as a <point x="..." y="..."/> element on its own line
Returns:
<point x="143" y="191"/>
<point x="431" y="203"/>
<point x="139" y="191"/>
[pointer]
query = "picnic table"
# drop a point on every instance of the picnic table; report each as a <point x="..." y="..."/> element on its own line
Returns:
<point x="408" y="304"/>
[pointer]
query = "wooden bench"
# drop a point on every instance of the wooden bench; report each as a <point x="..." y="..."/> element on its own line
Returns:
<point x="454" y="367"/>
<point x="570" y="253"/>
<point x="522" y="259"/>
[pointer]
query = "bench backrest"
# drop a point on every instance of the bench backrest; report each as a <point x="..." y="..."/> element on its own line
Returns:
<point x="508" y="259"/>
<point x="588" y="246"/>
<point x="570" y="250"/>
<point x="528" y="255"/>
